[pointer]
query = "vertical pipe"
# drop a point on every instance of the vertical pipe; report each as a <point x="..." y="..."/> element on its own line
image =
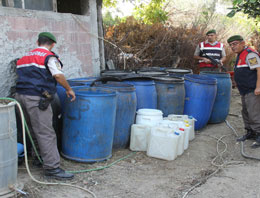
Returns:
<point x="23" y="4"/>
<point x="54" y="5"/>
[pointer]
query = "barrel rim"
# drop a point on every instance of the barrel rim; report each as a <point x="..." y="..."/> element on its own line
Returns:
<point x="146" y="82"/>
<point x="10" y="104"/>
<point x="118" y="86"/>
<point x="168" y="79"/>
<point x="178" y="70"/>
<point x="203" y="79"/>
<point x="83" y="79"/>
<point x="216" y="74"/>
<point x="152" y="73"/>
<point x="84" y="91"/>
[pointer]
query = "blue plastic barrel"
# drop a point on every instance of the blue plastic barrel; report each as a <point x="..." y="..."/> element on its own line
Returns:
<point x="222" y="102"/>
<point x="200" y="97"/>
<point x="145" y="93"/>
<point x="125" y="112"/>
<point x="170" y="95"/>
<point x="89" y="124"/>
<point x="72" y="82"/>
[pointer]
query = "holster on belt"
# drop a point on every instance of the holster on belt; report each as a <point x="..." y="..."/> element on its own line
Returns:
<point x="45" y="100"/>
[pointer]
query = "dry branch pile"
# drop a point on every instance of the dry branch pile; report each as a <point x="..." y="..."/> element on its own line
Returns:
<point x="152" y="45"/>
<point x="158" y="45"/>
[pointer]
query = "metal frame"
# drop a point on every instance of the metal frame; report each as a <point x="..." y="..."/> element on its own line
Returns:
<point x="10" y="3"/>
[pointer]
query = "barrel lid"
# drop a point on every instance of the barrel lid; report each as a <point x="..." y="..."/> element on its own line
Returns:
<point x="203" y="79"/>
<point x="168" y="79"/>
<point x="179" y="71"/>
<point x="93" y="91"/>
<point x="152" y="73"/>
<point x="151" y="69"/>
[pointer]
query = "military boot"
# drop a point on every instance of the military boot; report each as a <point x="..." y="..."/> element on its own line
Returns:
<point x="249" y="135"/>
<point x="256" y="144"/>
<point x="58" y="173"/>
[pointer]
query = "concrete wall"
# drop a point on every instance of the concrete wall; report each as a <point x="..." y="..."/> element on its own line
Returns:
<point x="77" y="43"/>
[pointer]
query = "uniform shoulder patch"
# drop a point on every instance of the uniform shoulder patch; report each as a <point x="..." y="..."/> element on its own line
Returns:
<point x="253" y="61"/>
<point x="58" y="65"/>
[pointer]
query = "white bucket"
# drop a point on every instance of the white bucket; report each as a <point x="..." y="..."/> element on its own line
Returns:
<point x="163" y="143"/>
<point x="139" y="137"/>
<point x="149" y="117"/>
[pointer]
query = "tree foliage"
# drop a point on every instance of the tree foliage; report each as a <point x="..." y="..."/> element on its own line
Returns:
<point x="149" y="12"/>
<point x="250" y="7"/>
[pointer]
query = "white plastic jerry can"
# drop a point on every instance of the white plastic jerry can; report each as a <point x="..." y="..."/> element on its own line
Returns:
<point x="180" y="147"/>
<point x="168" y="123"/>
<point x="185" y="118"/>
<point x="163" y="143"/>
<point x="139" y="137"/>
<point x="191" y="131"/>
<point x="175" y="126"/>
<point x="186" y="136"/>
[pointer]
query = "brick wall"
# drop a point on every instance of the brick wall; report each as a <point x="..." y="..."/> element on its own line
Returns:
<point x="76" y="45"/>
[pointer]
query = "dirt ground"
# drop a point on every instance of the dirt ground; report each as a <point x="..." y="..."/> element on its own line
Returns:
<point x="204" y="170"/>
